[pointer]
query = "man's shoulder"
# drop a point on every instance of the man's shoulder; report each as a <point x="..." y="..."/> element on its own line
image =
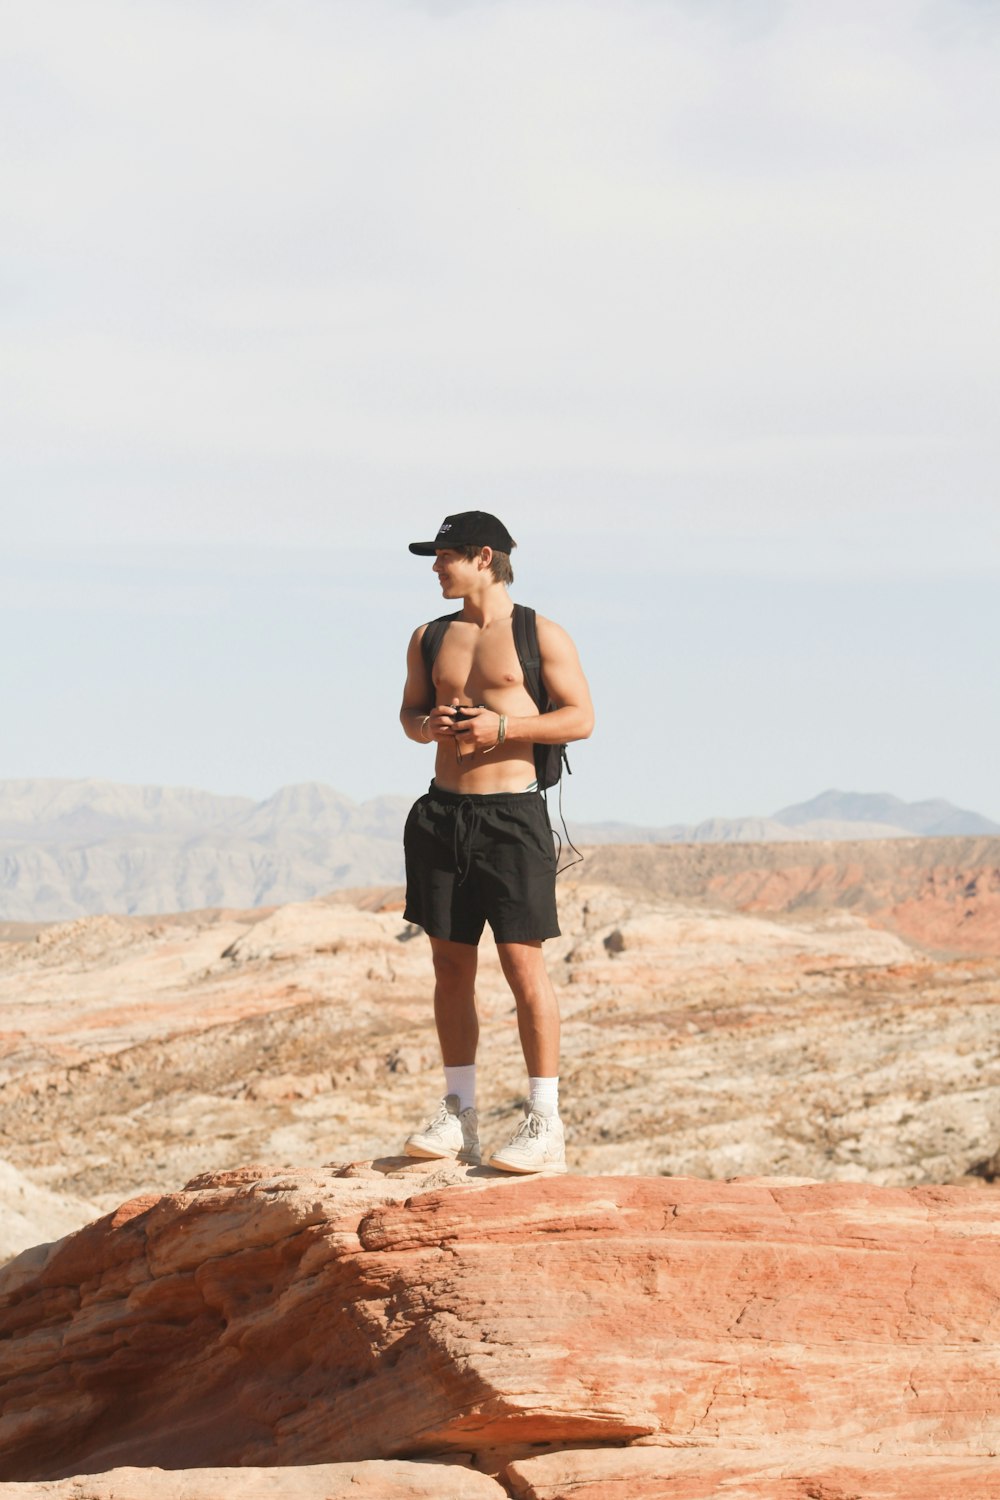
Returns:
<point x="542" y="621"/>
<point x="549" y="632"/>
<point x="430" y="634"/>
<point x="438" y="620"/>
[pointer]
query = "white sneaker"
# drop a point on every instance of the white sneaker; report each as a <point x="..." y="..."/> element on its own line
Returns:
<point x="452" y="1133"/>
<point x="537" y="1145"/>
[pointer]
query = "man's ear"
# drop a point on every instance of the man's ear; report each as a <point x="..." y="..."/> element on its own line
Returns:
<point x="485" y="557"/>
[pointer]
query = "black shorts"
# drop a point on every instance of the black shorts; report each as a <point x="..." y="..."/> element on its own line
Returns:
<point x="473" y="859"/>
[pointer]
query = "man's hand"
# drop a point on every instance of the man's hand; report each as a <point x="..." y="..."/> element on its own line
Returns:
<point x="440" y="724"/>
<point x="478" y="728"/>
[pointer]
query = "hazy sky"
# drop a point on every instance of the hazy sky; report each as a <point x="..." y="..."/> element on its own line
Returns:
<point x="700" y="297"/>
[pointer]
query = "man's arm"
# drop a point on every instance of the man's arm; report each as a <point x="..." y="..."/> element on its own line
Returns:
<point x="573" y="715"/>
<point x="418" y="694"/>
<point x="422" y="719"/>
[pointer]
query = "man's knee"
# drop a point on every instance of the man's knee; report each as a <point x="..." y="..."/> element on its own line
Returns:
<point x="453" y="962"/>
<point x="521" y="955"/>
<point x="523" y="965"/>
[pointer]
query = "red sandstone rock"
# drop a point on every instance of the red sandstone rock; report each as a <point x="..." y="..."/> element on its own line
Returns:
<point x="390" y="1480"/>
<point x="680" y="1474"/>
<point x="940" y="892"/>
<point x="799" y="1038"/>
<point x="310" y="1319"/>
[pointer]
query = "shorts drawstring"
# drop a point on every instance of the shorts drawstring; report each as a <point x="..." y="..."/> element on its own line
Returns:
<point x="470" y="808"/>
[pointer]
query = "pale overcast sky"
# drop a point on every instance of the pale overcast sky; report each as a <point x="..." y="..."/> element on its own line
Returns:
<point x="699" y="296"/>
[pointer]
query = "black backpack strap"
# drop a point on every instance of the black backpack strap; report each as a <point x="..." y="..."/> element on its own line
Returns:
<point x="526" y="645"/>
<point x="430" y="641"/>
<point x="550" y="760"/>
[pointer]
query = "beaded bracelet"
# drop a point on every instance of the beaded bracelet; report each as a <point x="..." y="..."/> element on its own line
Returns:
<point x="501" y="734"/>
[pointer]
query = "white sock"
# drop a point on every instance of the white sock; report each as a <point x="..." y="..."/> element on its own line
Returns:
<point x="462" y="1081"/>
<point x="544" y="1095"/>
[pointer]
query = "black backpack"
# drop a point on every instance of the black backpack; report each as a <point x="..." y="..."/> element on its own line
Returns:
<point x="549" y="759"/>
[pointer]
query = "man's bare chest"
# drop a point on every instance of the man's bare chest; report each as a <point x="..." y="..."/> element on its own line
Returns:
<point x="473" y="661"/>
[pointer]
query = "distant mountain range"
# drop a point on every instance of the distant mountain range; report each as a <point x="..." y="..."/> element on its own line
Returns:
<point x="77" y="848"/>
<point x="831" y="815"/>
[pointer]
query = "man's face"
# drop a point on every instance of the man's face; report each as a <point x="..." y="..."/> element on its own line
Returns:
<point x="457" y="575"/>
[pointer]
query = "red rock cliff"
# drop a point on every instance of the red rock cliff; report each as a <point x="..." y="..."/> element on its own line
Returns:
<point x="598" y="1336"/>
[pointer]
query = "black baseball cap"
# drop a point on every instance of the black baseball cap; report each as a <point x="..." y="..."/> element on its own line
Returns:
<point x="469" y="528"/>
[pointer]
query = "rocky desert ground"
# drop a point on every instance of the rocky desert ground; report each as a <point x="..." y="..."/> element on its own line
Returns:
<point x="830" y="1011"/>
<point x="818" y="1018"/>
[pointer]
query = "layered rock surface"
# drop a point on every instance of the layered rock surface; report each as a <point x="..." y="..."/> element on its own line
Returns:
<point x="943" y="894"/>
<point x="388" y="1479"/>
<point x="803" y="1037"/>
<point x="404" y="1329"/>
<point x="595" y="1337"/>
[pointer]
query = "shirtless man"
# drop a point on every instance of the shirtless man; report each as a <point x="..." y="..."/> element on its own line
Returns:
<point x="478" y="843"/>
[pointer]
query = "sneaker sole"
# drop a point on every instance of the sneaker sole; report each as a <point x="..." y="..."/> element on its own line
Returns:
<point x="551" y="1168"/>
<point x="424" y="1153"/>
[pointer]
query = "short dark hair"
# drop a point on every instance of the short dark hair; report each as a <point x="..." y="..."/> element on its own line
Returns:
<point x="499" y="563"/>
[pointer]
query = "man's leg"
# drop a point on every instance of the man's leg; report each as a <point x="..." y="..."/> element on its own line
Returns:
<point x="454" y="1130"/>
<point x="537" y="1145"/>
<point x="455" y="1013"/>
<point x="537" y="1007"/>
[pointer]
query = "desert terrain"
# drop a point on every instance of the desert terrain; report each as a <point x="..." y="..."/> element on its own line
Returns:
<point x="813" y="1018"/>
<point x="829" y="1011"/>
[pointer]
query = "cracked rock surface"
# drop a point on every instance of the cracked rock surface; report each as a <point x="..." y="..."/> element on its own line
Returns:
<point x="590" y="1336"/>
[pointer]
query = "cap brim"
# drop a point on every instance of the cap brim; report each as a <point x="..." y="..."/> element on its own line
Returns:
<point x="423" y="549"/>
